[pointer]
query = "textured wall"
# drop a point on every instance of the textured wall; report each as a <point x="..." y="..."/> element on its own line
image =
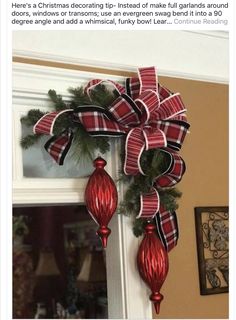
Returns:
<point x="205" y="183"/>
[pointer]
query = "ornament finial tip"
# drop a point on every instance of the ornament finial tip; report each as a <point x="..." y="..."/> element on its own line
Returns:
<point x="156" y="298"/>
<point x="104" y="233"/>
<point x="157" y="307"/>
<point x="99" y="163"/>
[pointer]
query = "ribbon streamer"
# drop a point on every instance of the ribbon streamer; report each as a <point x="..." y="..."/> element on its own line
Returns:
<point x="167" y="228"/>
<point x="152" y="117"/>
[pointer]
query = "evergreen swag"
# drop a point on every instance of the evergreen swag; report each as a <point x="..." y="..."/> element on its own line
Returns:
<point x="85" y="146"/>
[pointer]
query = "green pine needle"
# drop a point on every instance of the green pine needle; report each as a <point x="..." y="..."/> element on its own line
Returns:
<point x="102" y="96"/>
<point x="86" y="147"/>
<point x="29" y="140"/>
<point x="138" y="227"/>
<point x="59" y="104"/>
<point x="79" y="97"/>
<point x="32" y="117"/>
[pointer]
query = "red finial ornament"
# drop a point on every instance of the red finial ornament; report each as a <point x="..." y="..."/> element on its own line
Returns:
<point x="101" y="198"/>
<point x="152" y="260"/>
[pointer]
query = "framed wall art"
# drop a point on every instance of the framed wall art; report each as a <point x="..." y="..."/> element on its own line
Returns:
<point x="212" y="235"/>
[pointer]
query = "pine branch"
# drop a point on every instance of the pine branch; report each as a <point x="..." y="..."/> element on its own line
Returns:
<point x="142" y="184"/>
<point x="59" y="104"/>
<point x="63" y="122"/>
<point x="85" y="146"/>
<point x="30" y="140"/>
<point x="102" y="144"/>
<point x="102" y="96"/>
<point x="32" y="117"/>
<point x="138" y="227"/>
<point x="79" y="97"/>
<point x="168" y="198"/>
<point x="99" y="96"/>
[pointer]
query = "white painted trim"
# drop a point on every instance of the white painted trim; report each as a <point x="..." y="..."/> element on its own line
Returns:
<point x="127" y="294"/>
<point x="35" y="191"/>
<point x="136" y="301"/>
<point x="43" y="78"/>
<point x="208" y="33"/>
<point x="115" y="66"/>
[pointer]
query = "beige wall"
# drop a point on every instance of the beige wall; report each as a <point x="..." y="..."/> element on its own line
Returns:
<point x="205" y="183"/>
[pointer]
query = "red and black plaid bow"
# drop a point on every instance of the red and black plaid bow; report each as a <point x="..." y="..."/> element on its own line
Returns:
<point x="151" y="117"/>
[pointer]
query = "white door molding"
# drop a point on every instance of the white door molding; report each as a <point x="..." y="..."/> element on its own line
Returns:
<point x="127" y="294"/>
<point x="202" y="55"/>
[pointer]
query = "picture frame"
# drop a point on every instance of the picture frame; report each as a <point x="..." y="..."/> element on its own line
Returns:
<point x="212" y="237"/>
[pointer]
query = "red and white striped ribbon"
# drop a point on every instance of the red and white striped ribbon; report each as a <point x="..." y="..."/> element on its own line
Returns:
<point x="167" y="228"/>
<point x="148" y="79"/>
<point x="95" y="82"/>
<point x="149" y="204"/>
<point x="152" y="117"/>
<point x="174" y="173"/>
<point x="45" y="124"/>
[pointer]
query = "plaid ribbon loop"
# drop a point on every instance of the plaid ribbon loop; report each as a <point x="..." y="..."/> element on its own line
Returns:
<point x="152" y="117"/>
<point x="163" y="125"/>
<point x="167" y="228"/>
<point x="162" y="119"/>
<point x="174" y="172"/>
